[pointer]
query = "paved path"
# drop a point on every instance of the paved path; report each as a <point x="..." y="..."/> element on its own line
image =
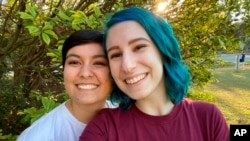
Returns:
<point x="232" y="57"/>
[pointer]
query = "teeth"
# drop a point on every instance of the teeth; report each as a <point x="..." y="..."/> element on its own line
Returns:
<point x="135" y="79"/>
<point x="87" y="87"/>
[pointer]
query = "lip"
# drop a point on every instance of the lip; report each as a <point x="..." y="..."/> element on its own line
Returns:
<point x="135" y="79"/>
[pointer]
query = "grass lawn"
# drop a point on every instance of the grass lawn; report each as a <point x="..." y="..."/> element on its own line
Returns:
<point x="232" y="93"/>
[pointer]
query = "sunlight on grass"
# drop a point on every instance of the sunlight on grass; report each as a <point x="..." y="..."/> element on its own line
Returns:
<point x="232" y="94"/>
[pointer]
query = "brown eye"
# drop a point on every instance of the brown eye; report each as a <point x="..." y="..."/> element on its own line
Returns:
<point x="115" y="55"/>
<point x="100" y="64"/>
<point x="139" y="47"/>
<point x="74" y="63"/>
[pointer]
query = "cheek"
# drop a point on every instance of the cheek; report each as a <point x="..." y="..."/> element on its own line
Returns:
<point x="69" y="74"/>
<point x="103" y="74"/>
<point x="114" y="69"/>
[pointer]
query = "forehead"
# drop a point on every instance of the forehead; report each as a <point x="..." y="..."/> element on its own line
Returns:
<point x="125" y="31"/>
<point x="87" y="49"/>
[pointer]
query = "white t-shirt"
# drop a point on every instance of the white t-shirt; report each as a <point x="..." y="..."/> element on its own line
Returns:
<point x="57" y="125"/>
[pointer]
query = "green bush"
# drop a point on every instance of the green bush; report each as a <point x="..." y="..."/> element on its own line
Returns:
<point x="33" y="113"/>
<point x="21" y="110"/>
<point x="199" y="94"/>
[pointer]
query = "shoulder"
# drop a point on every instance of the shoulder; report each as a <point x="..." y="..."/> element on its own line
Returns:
<point x="107" y="116"/>
<point x="44" y="127"/>
<point x="210" y="119"/>
<point x="199" y="105"/>
<point x="204" y="111"/>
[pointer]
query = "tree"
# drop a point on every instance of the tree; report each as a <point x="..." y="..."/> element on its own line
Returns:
<point x="204" y="29"/>
<point x="241" y="22"/>
<point x="32" y="33"/>
<point x="31" y="37"/>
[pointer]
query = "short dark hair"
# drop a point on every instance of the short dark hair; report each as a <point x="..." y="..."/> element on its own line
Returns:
<point x="81" y="37"/>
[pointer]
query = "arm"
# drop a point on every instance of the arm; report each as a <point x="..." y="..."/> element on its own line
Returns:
<point x="220" y="127"/>
<point x="213" y="125"/>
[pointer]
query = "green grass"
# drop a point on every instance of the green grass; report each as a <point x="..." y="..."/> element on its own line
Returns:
<point x="232" y="93"/>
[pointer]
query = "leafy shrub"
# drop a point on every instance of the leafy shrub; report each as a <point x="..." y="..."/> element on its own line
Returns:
<point x="22" y="111"/>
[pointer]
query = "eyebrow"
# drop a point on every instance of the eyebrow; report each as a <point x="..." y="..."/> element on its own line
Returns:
<point x="130" y="42"/>
<point x="138" y="39"/>
<point x="78" y="56"/>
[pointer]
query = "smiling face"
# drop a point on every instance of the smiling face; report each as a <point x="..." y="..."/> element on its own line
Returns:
<point x="135" y="61"/>
<point x="86" y="74"/>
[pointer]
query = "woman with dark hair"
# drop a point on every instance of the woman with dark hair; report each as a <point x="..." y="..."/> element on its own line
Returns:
<point x="88" y="83"/>
<point x="151" y="83"/>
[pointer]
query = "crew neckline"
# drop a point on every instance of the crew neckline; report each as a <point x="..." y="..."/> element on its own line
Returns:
<point x="157" y="119"/>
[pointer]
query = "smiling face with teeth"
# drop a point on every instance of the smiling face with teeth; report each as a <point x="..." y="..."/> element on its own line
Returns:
<point x="135" y="62"/>
<point x="86" y="74"/>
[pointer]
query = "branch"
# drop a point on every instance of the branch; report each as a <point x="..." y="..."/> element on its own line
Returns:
<point x="10" y="46"/>
<point x="4" y="26"/>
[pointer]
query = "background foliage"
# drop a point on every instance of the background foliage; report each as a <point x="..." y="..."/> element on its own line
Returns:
<point x="32" y="33"/>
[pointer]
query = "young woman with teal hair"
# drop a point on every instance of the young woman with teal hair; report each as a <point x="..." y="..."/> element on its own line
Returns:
<point x="151" y="84"/>
<point x="161" y="34"/>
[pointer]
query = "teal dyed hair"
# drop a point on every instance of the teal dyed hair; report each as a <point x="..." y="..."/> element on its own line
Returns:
<point x="177" y="76"/>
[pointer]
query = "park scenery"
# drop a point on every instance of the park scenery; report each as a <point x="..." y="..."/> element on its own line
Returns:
<point x="230" y="91"/>
<point x="213" y="36"/>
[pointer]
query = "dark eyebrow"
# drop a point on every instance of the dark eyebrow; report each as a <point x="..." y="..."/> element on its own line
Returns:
<point x="100" y="56"/>
<point x="72" y="55"/>
<point x="95" y="56"/>
<point x="130" y="42"/>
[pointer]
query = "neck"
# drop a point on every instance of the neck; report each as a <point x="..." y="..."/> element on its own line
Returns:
<point x="84" y="113"/>
<point x="155" y="107"/>
<point x="157" y="103"/>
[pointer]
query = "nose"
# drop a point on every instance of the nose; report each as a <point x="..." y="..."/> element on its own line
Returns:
<point x="86" y="71"/>
<point x="128" y="62"/>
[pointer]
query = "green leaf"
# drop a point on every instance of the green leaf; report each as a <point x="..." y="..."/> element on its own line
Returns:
<point x="33" y="30"/>
<point x="36" y="116"/>
<point x="63" y="16"/>
<point x="48" y="104"/>
<point x="45" y="102"/>
<point x="221" y="42"/>
<point x="51" y="54"/>
<point x="31" y="10"/>
<point x="54" y="53"/>
<point x="20" y="113"/>
<point x="82" y="14"/>
<point x="77" y="21"/>
<point x="26" y="16"/>
<point x="97" y="11"/>
<point x="26" y="118"/>
<point x="52" y="33"/>
<point x="46" y="38"/>
<point x="89" y="21"/>
<point x="47" y="26"/>
<point x="78" y="14"/>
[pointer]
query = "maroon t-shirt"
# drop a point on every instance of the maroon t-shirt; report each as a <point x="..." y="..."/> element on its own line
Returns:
<point x="188" y="121"/>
